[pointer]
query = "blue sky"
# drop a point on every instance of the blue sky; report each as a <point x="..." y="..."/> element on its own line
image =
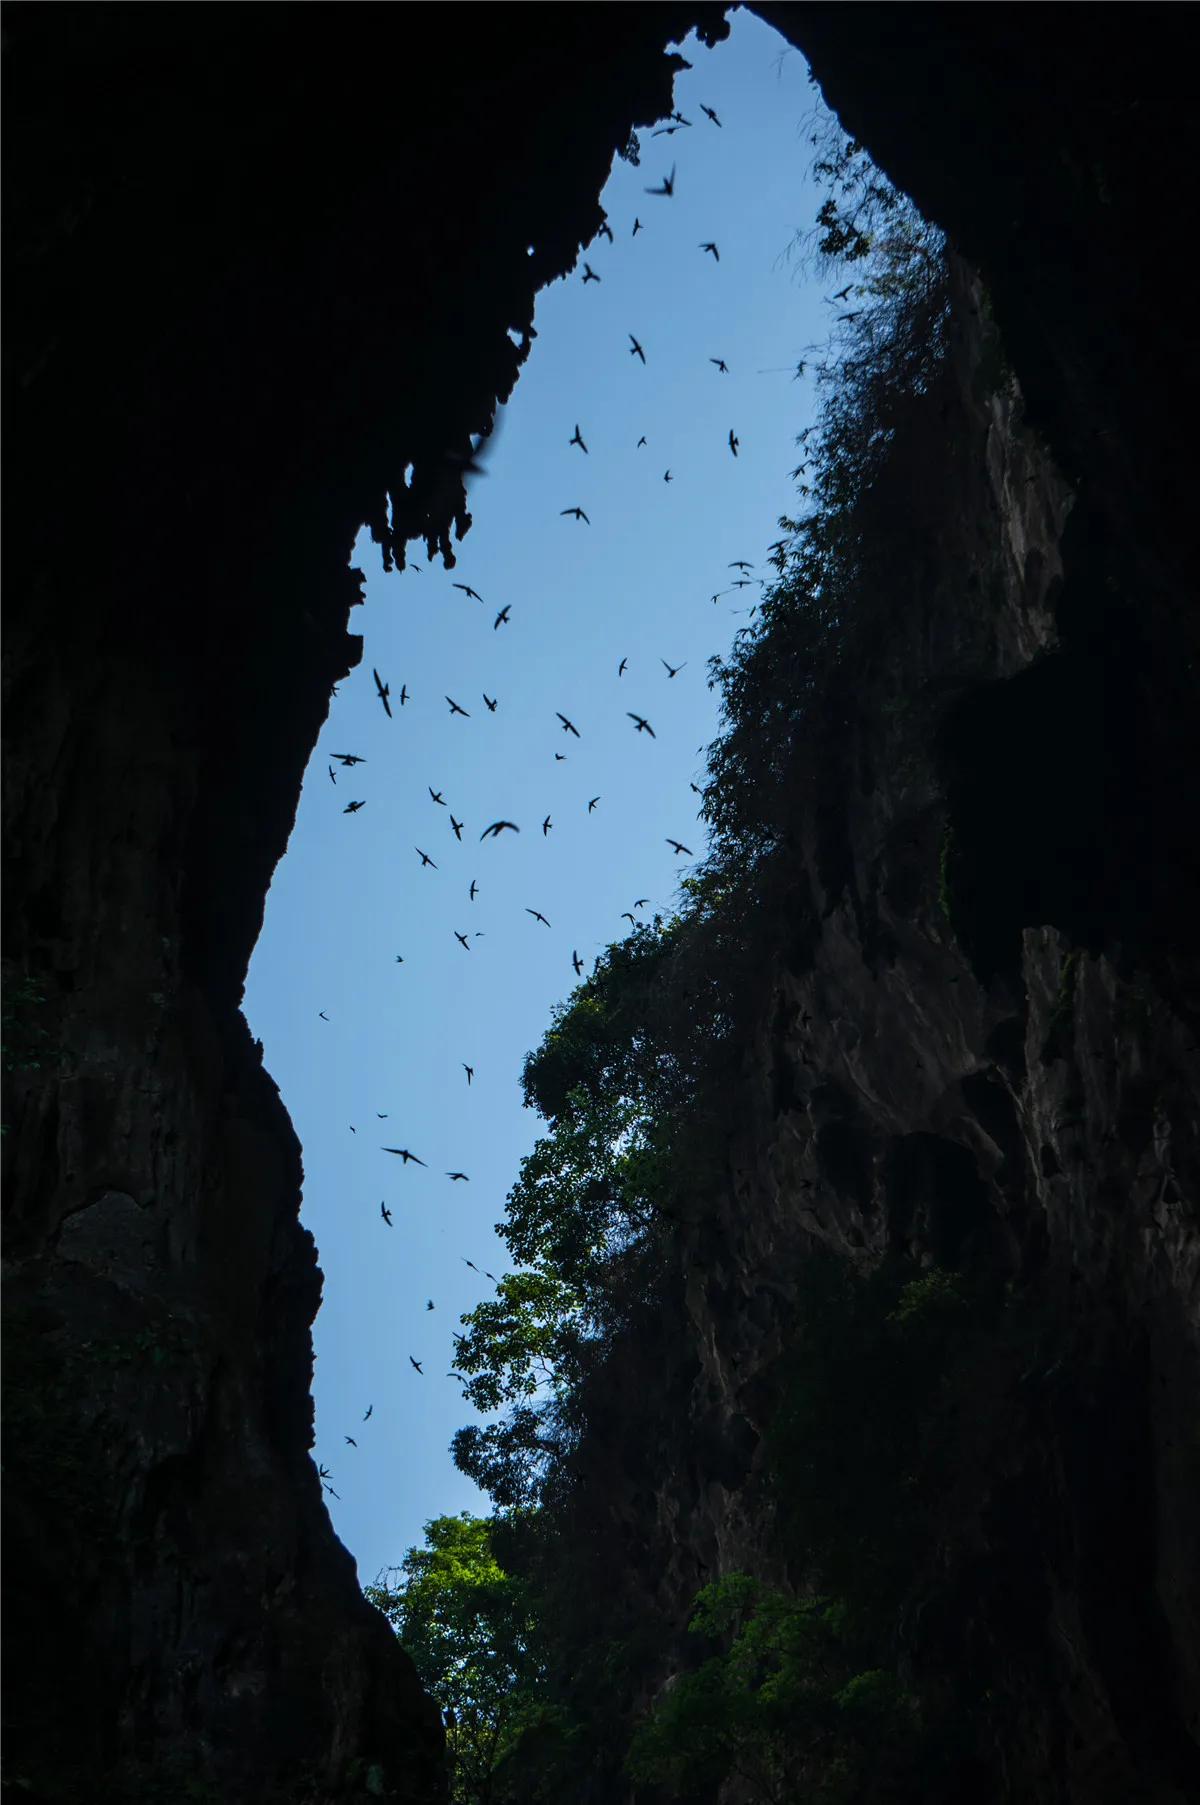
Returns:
<point x="351" y="893"/>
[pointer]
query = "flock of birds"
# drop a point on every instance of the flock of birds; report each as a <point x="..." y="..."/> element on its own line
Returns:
<point x="350" y="761"/>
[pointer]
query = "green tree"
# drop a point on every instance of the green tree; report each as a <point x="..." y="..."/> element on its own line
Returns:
<point x="473" y="1636"/>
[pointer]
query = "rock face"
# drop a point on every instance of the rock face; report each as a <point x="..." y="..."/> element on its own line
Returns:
<point x="244" y="295"/>
<point x="935" y="1077"/>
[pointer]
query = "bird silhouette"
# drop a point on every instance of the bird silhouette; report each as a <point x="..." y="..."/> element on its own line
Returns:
<point x="577" y="438"/>
<point x="589" y="274"/>
<point x="537" y="915"/>
<point x="637" y="227"/>
<point x="678" y="846"/>
<point x="710" y="246"/>
<point x="843" y="292"/>
<point x="417" y="1364"/>
<point x="635" y="350"/>
<point x="497" y="828"/>
<point x="734" y="441"/>
<point x="501" y="620"/>
<point x="350" y="1439"/>
<point x="844" y="317"/>
<point x="322" y="1015"/>
<point x="348" y="758"/>
<point x="470" y="1263"/>
<point x="403" y="694"/>
<point x="381" y="1115"/>
<point x="668" y="184"/>
<point x="626" y="916"/>
<point x="490" y="700"/>
<point x="605" y="231"/>
<point x="577" y="962"/>
<point x="667" y="477"/>
<point x="663" y="131"/>
<point x="353" y="1129"/>
<point x="578" y="513"/>
<point x="560" y="758"/>
<point x="547" y="824"/>
<point x="673" y="670"/>
<point x="457" y="826"/>
<point x="461" y="1376"/>
<point x="568" y="726"/>
<point x="469" y="1070"/>
<point x="640" y="902"/>
<point x="744" y="583"/>
<point x="722" y="366"/>
<point x="679" y="119"/>
<point x="332" y="775"/>
<point x="384" y="690"/>
<point x="436" y="794"/>
<point x="463" y="941"/>
<point x="399" y="958"/>
<point x="592" y="804"/>
<point x="459" y="1175"/>
<point x="386" y="1214"/>
<point x="425" y="858"/>
<point x="367" y="1416"/>
<point x="404" y="1154"/>
<point x="473" y="892"/>
<point x="352" y="808"/>
<point x="456" y="709"/>
<point x="739" y="564"/>
<point x="429" y="1304"/>
<point x="640" y="443"/>
<point x="640" y="725"/>
<point x="467" y="590"/>
<point x="331" y="1491"/>
<point x="710" y="113"/>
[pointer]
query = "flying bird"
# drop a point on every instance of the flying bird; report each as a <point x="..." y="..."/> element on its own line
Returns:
<point x="589" y="274"/>
<point x="352" y="808"/>
<point x="547" y="824"/>
<point x="577" y="962"/>
<point x="470" y="1263"/>
<point x="350" y="1439"/>
<point x="417" y="1364"/>
<point x="722" y="366"/>
<point x="667" y="477"/>
<point x="578" y="513"/>
<point x="348" y="758"/>
<point x="843" y="317"/>
<point x="592" y="804"/>
<point x="679" y="119"/>
<point x="332" y="775"/>
<point x="568" y="726"/>
<point x="678" y="846"/>
<point x="429" y="1304"/>
<point x="386" y="1214"/>
<point x="734" y="441"/>
<point x="455" y="709"/>
<point x="663" y="131"/>
<point x="560" y="758"/>
<point x="622" y="667"/>
<point x="497" y="828"/>
<point x="640" y="443"/>
<point x="383" y="690"/>
<point x="404" y="1154"/>
<point x="322" y="1015"/>
<point x="635" y="350"/>
<point x="668" y="184"/>
<point x="673" y="670"/>
<point x="425" y="858"/>
<point x="577" y="438"/>
<point x="457" y="826"/>
<point x="473" y="892"/>
<point x="739" y="564"/>
<point x="710" y="246"/>
<point x="491" y="702"/>
<point x="637" y="227"/>
<point x="399" y="958"/>
<point x="461" y="1175"/>
<point x="640" y="902"/>
<point x="538" y="916"/>
<point x="710" y="113"/>
<point x="605" y="231"/>
<point x="626" y="916"/>
<point x="467" y="590"/>
<point x="436" y="794"/>
<point x="501" y="620"/>
<point x="469" y="1070"/>
<point x="367" y="1417"/>
<point x="463" y="941"/>
<point x="381" y="1115"/>
<point x="843" y="292"/>
<point x="640" y="725"/>
<point x="403" y="694"/>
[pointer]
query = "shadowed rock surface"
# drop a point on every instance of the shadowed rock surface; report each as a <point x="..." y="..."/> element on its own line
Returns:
<point x="243" y="253"/>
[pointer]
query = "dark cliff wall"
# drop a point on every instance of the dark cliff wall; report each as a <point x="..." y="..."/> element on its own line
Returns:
<point x="244" y="291"/>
